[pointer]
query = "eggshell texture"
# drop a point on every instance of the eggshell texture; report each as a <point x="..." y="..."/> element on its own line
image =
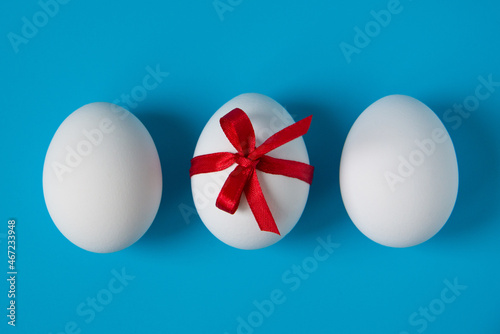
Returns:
<point x="102" y="178"/>
<point x="398" y="172"/>
<point x="285" y="196"/>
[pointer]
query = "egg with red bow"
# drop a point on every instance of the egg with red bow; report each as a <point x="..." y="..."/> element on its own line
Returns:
<point x="250" y="174"/>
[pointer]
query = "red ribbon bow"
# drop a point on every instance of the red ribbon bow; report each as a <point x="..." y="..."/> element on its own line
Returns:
<point x="239" y="130"/>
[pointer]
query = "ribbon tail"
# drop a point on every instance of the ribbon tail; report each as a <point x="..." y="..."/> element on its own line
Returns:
<point x="230" y="194"/>
<point x="258" y="205"/>
<point x="282" y="137"/>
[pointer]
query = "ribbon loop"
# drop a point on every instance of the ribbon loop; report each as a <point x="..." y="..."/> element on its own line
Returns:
<point x="236" y="129"/>
<point x="243" y="179"/>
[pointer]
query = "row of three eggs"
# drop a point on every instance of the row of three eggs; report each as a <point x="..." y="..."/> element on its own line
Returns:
<point x="102" y="177"/>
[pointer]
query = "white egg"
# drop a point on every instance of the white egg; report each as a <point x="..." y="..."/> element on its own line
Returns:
<point x="398" y="172"/>
<point x="285" y="196"/>
<point x="102" y="178"/>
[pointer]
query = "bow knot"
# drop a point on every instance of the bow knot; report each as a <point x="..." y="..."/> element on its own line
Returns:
<point x="245" y="162"/>
<point x="243" y="179"/>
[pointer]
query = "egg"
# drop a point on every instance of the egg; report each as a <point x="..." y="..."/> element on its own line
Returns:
<point x="102" y="178"/>
<point x="398" y="172"/>
<point x="285" y="196"/>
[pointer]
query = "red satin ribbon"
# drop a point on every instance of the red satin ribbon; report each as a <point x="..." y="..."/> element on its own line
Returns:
<point x="239" y="131"/>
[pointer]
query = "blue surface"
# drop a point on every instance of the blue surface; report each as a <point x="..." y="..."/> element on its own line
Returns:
<point x="178" y="277"/>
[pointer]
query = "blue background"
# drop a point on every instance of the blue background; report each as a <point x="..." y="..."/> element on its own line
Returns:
<point x="187" y="281"/>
